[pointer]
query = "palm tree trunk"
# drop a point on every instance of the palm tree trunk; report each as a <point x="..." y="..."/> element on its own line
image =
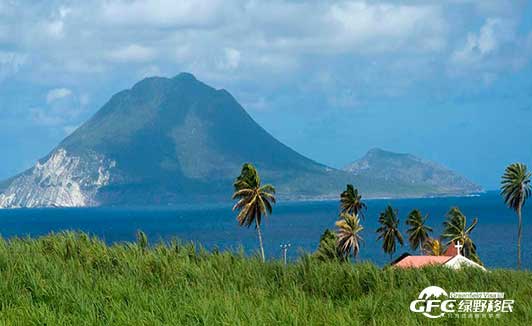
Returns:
<point x="519" y="234"/>
<point x="260" y="243"/>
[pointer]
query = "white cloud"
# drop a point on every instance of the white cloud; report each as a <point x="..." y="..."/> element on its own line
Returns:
<point x="276" y="62"/>
<point x="78" y="66"/>
<point x="132" y="53"/>
<point x="259" y="104"/>
<point x="211" y="36"/>
<point x="357" y="27"/>
<point x="344" y="99"/>
<point x="183" y="52"/>
<point x="10" y="63"/>
<point x="150" y="71"/>
<point x="361" y="26"/>
<point x="382" y="45"/>
<point x="63" y="108"/>
<point x="42" y="117"/>
<point x="55" y="29"/>
<point x="479" y="45"/>
<point x="4" y="32"/>
<point x="189" y="13"/>
<point x="84" y="100"/>
<point x="64" y="11"/>
<point x="56" y="94"/>
<point x="230" y="60"/>
<point x="496" y="48"/>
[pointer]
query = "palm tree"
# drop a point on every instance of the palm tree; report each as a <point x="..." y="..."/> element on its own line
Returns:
<point x="389" y="230"/>
<point x="328" y="247"/>
<point x="418" y="233"/>
<point x="349" y="238"/>
<point x="248" y="178"/>
<point x="142" y="240"/>
<point x="456" y="229"/>
<point x="254" y="200"/>
<point x="515" y="187"/>
<point x="351" y="202"/>
<point x="433" y="247"/>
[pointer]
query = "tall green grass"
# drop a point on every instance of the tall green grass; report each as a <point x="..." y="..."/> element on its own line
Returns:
<point x="72" y="279"/>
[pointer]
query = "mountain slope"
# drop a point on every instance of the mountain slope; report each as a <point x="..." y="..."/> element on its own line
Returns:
<point x="167" y="141"/>
<point x="175" y="140"/>
<point x="407" y="174"/>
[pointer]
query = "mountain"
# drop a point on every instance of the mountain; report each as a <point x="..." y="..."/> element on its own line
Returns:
<point x="410" y="175"/>
<point x="166" y="141"/>
<point x="169" y="141"/>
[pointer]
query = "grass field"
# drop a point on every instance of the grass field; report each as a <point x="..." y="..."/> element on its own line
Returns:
<point x="71" y="279"/>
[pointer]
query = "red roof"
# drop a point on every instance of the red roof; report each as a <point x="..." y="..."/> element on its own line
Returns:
<point x="451" y="250"/>
<point x="420" y="261"/>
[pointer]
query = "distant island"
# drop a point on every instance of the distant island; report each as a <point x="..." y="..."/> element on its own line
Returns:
<point x="177" y="140"/>
<point x="406" y="173"/>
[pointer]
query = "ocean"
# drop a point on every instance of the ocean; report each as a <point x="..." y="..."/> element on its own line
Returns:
<point x="297" y="223"/>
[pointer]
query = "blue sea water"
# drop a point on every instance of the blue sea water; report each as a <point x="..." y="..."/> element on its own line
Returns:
<point x="300" y="223"/>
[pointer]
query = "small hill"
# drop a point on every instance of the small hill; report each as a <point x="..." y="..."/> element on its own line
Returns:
<point x="410" y="175"/>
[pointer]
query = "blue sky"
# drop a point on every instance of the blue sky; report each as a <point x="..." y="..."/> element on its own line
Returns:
<point x="450" y="81"/>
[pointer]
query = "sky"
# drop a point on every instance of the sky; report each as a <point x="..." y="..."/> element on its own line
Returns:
<point x="449" y="81"/>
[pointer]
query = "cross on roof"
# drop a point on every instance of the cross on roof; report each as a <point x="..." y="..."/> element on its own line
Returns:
<point x="458" y="247"/>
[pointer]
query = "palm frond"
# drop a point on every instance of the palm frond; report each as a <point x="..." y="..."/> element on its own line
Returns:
<point x="268" y="188"/>
<point x="244" y="192"/>
<point x="348" y="234"/>
<point x="389" y="230"/>
<point x="515" y="185"/>
<point x="351" y="202"/>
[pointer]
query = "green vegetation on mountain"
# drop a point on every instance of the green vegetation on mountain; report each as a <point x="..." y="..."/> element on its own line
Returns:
<point x="410" y="175"/>
<point x="178" y="140"/>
